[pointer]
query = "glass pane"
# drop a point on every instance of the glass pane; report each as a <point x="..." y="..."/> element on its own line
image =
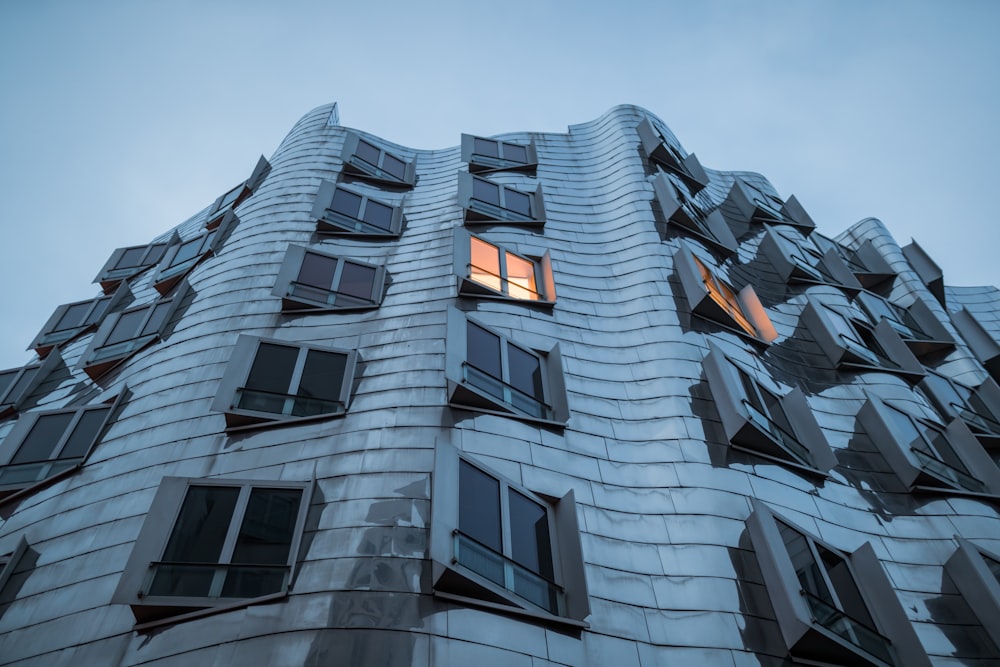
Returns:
<point x="525" y="372"/>
<point x="368" y="153"/>
<point x="994" y="567"/>
<point x="485" y="191"/>
<point x="806" y="568"/>
<point x="187" y="250"/>
<point x="74" y="316"/>
<point x="201" y="528"/>
<point x="268" y="527"/>
<point x="357" y="281"/>
<point x="157" y="319"/>
<point x="97" y="312"/>
<point x="904" y="429"/>
<point x="253" y="582"/>
<point x="231" y="196"/>
<point x="521" y="278"/>
<point x="485" y="147"/>
<point x="6" y="379"/>
<point x="941" y="445"/>
<point x="483" y="350"/>
<point x="131" y="258"/>
<point x="183" y="580"/>
<point x="346" y="203"/>
<point x="479" y="506"/>
<point x="84" y="434"/>
<point x="323" y="376"/>
<point x="43" y="438"/>
<point x="842" y="580"/>
<point x="515" y="153"/>
<point x="21" y="386"/>
<point x="518" y="202"/>
<point x="394" y="166"/>
<point x="155" y="254"/>
<point x="379" y="215"/>
<point x="485" y="269"/>
<point x="317" y="270"/>
<point x="127" y="326"/>
<point x="530" y="544"/>
<point x="272" y="368"/>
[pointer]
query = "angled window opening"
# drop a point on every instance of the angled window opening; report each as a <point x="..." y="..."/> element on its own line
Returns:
<point x="485" y="155"/>
<point x="978" y="406"/>
<point x="365" y="160"/>
<point x="831" y="606"/>
<point x="663" y="153"/>
<point x="799" y="259"/>
<point x="927" y="270"/>
<point x="274" y="382"/>
<point x="487" y="202"/>
<point x="344" y="212"/>
<point x="183" y="256"/>
<point x="497" y="545"/>
<point x="74" y="319"/>
<point x="214" y="543"/>
<point x="916" y="325"/>
<point x="126" y="263"/>
<point x="486" y="372"/>
<point x="975" y="334"/>
<point x="237" y="195"/>
<point x="976" y="573"/>
<point x="490" y="271"/>
<point x="681" y="211"/>
<point x="45" y="444"/>
<point x="715" y="300"/>
<point x="777" y="426"/>
<point x="124" y="333"/>
<point x="869" y="267"/>
<point x="752" y="204"/>
<point x="18" y="384"/>
<point x="315" y="281"/>
<point x="8" y="563"/>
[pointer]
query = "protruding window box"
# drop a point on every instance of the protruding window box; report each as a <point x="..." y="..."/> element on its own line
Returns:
<point x="18" y="384"/>
<point x="867" y="264"/>
<point x="486" y="372"/>
<point x="715" y="300"/>
<point x="661" y="152"/>
<point x="929" y="272"/>
<point x="976" y="573"/>
<point x="74" y="319"/>
<point x="851" y="343"/>
<point x="985" y="348"/>
<point x="182" y="257"/>
<point x="498" y="546"/>
<point x="272" y="382"/>
<point x="978" y="406"/>
<point x="364" y="160"/>
<point x="314" y="281"/>
<point x="917" y="325"/>
<point x="928" y="456"/>
<point x="758" y="419"/>
<point x="488" y="271"/>
<point x="797" y="259"/>
<point x="486" y="155"/>
<point x="9" y="561"/>
<point x="831" y="607"/>
<point x="752" y="204"/>
<point x="126" y="263"/>
<point x="344" y="212"/>
<point x="233" y="198"/>
<point x="683" y="213"/>
<point x="123" y="334"/>
<point x="486" y="202"/>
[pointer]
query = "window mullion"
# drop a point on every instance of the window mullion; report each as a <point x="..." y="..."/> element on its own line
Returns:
<point x="66" y="434"/>
<point x="293" y="387"/>
<point x="827" y="581"/>
<point x="229" y="545"/>
<point x="506" y="546"/>
<point x="338" y="273"/>
<point x="362" y="207"/>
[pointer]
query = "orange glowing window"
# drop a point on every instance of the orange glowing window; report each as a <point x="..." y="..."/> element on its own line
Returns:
<point x="502" y="271"/>
<point x="724" y="295"/>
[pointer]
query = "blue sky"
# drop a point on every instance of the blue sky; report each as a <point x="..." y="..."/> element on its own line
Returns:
<point x="121" y="119"/>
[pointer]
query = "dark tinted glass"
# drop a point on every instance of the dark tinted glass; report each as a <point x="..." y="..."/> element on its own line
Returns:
<point x="202" y="525"/>
<point x="187" y="250"/>
<point x="22" y="383"/>
<point x="6" y="379"/>
<point x="345" y="202"/>
<point x="806" y="568"/>
<point x="268" y="527"/>
<point x="525" y="372"/>
<point x="843" y="582"/>
<point x="74" y="316"/>
<point x="485" y="147"/>
<point x="367" y="152"/>
<point x="394" y="166"/>
<point x="127" y="326"/>
<point x="43" y="438"/>
<point x="272" y="368"/>
<point x="357" y="280"/>
<point x="323" y="375"/>
<point x="317" y="270"/>
<point x="379" y="215"/>
<point x="84" y="433"/>
<point x="156" y="252"/>
<point x="156" y="320"/>
<point x="483" y="350"/>
<point x="515" y="153"/>
<point x="479" y="506"/>
<point x="530" y="545"/>
<point x="98" y="311"/>
<point x="485" y="191"/>
<point x="518" y="202"/>
<point x="131" y="258"/>
<point x="231" y="196"/>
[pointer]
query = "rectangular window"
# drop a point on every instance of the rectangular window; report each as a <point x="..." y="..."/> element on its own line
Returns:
<point x="310" y="280"/>
<point x="126" y="263"/>
<point x="976" y="573"/>
<point x="236" y="196"/>
<point x="365" y="160"/>
<point x="342" y="211"/>
<point x="797" y="258"/>
<point x="72" y="319"/>
<point x="18" y="384"/>
<point x="490" y="271"/>
<point x="682" y="211"/>
<point x="485" y="155"/>
<point x="979" y="407"/>
<point x="662" y="152"/>
<point x="751" y="203"/>
<point x="183" y="256"/>
<point x="486" y="201"/>
<point x="917" y="325"/>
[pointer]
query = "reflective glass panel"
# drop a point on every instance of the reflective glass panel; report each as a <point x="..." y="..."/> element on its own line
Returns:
<point x="157" y="319"/>
<point x="485" y="191"/>
<point x="357" y="280"/>
<point x="132" y="257"/>
<point x="187" y="251"/>
<point x="525" y="372"/>
<point x="479" y="506"/>
<point x="84" y="433"/>
<point x="323" y="375"/>
<point x="394" y="166"/>
<point x="74" y="316"/>
<point x="485" y="268"/>
<point x="22" y="383"/>
<point x="346" y="203"/>
<point x="6" y="379"/>
<point x="515" y="153"/>
<point x="379" y="215"/>
<point x="368" y="153"/>
<point x="272" y="368"/>
<point x="483" y="350"/>
<point x="530" y="544"/>
<point x="201" y="527"/>
<point x="317" y="270"/>
<point x="518" y="202"/>
<point x="485" y="147"/>
<point x="127" y="327"/>
<point x="268" y="527"/>
<point x="43" y="437"/>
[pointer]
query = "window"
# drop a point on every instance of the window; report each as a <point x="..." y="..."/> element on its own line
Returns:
<point x="490" y="271"/>
<point x="831" y="606"/>
<point x="713" y="299"/>
<point x="778" y="426"/>
<point x="985" y="348"/>
<point x="43" y="444"/>
<point x="927" y="270"/>
<point x="310" y="280"/>
<point x="345" y="212"/>
<point x="369" y="162"/>
<point x="18" y="384"/>
<point x="274" y="381"/>
<point x="213" y="542"/>
<point x="870" y="269"/>
<point x="917" y="325"/>
<point x="798" y="259"/>
<point x="485" y="155"/>
<point x="123" y="334"/>
<point x="233" y="198"/>
<point x="976" y="573"/>
<point x="8" y="562"/>
<point x="661" y="152"/>
<point x="72" y="319"/>
<point x="926" y="455"/>
<point x="488" y="373"/>
<point x="126" y="263"/>
<point x="850" y="342"/>
<point x="485" y="202"/>
<point x="496" y="544"/>
<point x="183" y="256"/>
<point x="979" y="407"/>
<point x="750" y="203"/>
<point x="681" y="211"/>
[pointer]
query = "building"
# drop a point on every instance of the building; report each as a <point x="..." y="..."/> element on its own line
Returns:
<point x="541" y="399"/>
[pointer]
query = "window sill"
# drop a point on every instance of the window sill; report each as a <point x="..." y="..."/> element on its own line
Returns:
<point x="198" y="613"/>
<point x="539" y="616"/>
<point x="244" y="421"/>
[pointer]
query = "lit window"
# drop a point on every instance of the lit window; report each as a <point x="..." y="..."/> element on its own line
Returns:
<point x="126" y="263"/>
<point x="233" y="198"/>
<point x="275" y="381"/>
<point x="490" y="271"/>
<point x="485" y="201"/>
<point x="44" y="444"/>
<point x="183" y="256"/>
<point x="369" y="162"/>
<point x="798" y="258"/>
<point x="979" y="407"/>
<point x="830" y="606"/>
<point x="681" y="211"/>
<point x="778" y="426"/>
<point x="310" y="280"/>
<point x="227" y="541"/>
<point x="345" y="212"/>
<point x="976" y="573"/>
<point x="749" y="203"/>
<point x="662" y="152"/>
<point x="496" y="543"/>
<point x="18" y="384"/>
<point x="484" y="155"/>
<point x="72" y="319"/>
<point x="917" y="325"/>
<point x="489" y="373"/>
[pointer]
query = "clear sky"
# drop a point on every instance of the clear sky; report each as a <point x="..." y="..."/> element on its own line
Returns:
<point x="119" y="120"/>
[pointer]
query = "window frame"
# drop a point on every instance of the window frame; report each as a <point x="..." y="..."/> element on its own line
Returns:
<point x="110" y="276"/>
<point x="985" y="426"/>
<point x="12" y="401"/>
<point x="984" y="347"/>
<point x="244" y="191"/>
<point x="683" y="213"/>
<point x="661" y="152"/>
<point x="466" y="395"/>
<point x="478" y="212"/>
<point x="100" y="306"/>
<point x="927" y="270"/>
<point x="168" y="274"/>
<point x="752" y="204"/>
<point x="866" y="263"/>
<point x="360" y="168"/>
<point x="455" y="581"/>
<point x="10" y="561"/>
<point x="801" y="260"/>
<point x="238" y="371"/>
<point x="333" y="223"/>
<point x="971" y="574"/>
<point x="288" y="275"/>
<point x="804" y="635"/>
<point x="156" y="531"/>
<point x="924" y="335"/>
<point x="467" y="286"/>
<point x="482" y="164"/>
<point x="728" y="381"/>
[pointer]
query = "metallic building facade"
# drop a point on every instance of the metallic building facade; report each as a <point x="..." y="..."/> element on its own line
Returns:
<point x="542" y="399"/>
